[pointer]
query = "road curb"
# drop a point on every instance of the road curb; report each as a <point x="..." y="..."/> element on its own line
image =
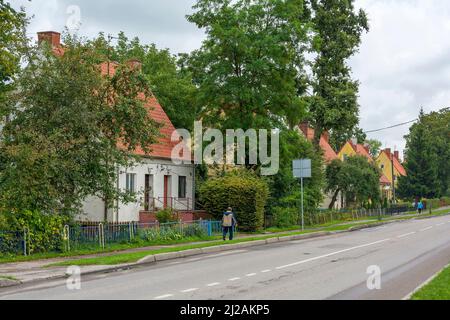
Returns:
<point x="151" y="259"/>
<point x="409" y="296"/>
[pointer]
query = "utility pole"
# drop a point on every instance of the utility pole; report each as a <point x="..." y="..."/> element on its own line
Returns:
<point x="393" y="179"/>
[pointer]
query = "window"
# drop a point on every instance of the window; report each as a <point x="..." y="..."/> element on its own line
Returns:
<point x="182" y="187"/>
<point x="131" y="182"/>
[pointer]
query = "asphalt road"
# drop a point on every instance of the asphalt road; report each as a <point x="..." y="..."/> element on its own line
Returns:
<point x="332" y="267"/>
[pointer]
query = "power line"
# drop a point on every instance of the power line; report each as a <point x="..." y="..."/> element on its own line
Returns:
<point x="391" y="127"/>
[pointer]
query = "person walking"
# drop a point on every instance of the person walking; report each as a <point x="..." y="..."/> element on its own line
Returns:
<point x="420" y="206"/>
<point x="228" y="223"/>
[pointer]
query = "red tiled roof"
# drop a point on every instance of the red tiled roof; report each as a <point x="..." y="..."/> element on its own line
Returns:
<point x="328" y="153"/>
<point x="397" y="165"/>
<point x="161" y="149"/>
<point x="384" y="180"/>
<point x="362" y="151"/>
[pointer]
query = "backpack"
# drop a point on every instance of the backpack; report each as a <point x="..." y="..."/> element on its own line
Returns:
<point x="227" y="220"/>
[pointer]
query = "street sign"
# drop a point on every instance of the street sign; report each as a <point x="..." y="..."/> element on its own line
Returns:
<point x="301" y="168"/>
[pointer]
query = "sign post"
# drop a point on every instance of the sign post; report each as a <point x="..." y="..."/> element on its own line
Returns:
<point x="302" y="169"/>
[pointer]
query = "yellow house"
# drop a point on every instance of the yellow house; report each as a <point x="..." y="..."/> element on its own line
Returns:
<point x="390" y="165"/>
<point x="351" y="148"/>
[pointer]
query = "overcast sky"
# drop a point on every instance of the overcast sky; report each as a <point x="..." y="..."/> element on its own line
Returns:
<point x="403" y="63"/>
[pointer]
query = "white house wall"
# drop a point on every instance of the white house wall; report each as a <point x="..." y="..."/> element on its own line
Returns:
<point x="94" y="207"/>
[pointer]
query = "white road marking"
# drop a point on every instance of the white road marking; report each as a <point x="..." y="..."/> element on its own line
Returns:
<point x="406" y="234"/>
<point x="425" y="229"/>
<point x="250" y="275"/>
<point x="234" y="279"/>
<point x="189" y="290"/>
<point x="440" y="224"/>
<point x="163" y="296"/>
<point x="331" y="254"/>
<point x="265" y="271"/>
<point x="213" y="284"/>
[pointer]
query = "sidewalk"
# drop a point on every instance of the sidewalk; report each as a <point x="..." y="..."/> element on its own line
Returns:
<point x="29" y="271"/>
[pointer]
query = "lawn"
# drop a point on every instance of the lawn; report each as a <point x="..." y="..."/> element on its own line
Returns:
<point x="437" y="289"/>
<point x="135" y="256"/>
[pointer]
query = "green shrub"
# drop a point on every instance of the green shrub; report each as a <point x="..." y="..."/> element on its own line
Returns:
<point x="166" y="215"/>
<point x="243" y="191"/>
<point x="285" y="217"/>
<point x="44" y="230"/>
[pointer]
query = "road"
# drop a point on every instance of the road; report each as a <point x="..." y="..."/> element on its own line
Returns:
<point x="332" y="267"/>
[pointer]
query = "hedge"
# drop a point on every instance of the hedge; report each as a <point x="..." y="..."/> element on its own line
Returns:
<point x="246" y="193"/>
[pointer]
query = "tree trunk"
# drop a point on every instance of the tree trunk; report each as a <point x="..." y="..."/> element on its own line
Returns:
<point x="333" y="200"/>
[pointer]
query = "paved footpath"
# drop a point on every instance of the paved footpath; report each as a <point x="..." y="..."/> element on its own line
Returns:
<point x="329" y="267"/>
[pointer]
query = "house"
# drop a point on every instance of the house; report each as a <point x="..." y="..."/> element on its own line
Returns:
<point x="392" y="168"/>
<point x="328" y="155"/>
<point x="352" y="148"/>
<point x="157" y="180"/>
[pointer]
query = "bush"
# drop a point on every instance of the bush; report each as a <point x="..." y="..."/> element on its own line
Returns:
<point x="285" y="217"/>
<point x="44" y="230"/>
<point x="166" y="215"/>
<point x="243" y="191"/>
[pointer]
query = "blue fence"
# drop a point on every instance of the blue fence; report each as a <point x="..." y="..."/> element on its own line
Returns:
<point x="103" y="235"/>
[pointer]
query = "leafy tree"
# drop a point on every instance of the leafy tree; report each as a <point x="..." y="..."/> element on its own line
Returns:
<point x="374" y="147"/>
<point x="247" y="68"/>
<point x="12" y="44"/>
<point x="421" y="165"/>
<point x="171" y="84"/>
<point x="285" y="188"/>
<point x="337" y="31"/>
<point x="356" y="178"/>
<point x="71" y="130"/>
<point x="438" y="125"/>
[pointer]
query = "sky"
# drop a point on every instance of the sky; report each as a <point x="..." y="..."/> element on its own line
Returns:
<point x="403" y="62"/>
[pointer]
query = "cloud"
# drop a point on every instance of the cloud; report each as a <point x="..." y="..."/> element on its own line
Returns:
<point x="402" y="65"/>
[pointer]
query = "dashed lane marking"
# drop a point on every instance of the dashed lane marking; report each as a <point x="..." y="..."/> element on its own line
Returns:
<point x="331" y="254"/>
<point x="406" y="234"/>
<point x="234" y="279"/>
<point x="213" y="284"/>
<point x="189" y="290"/>
<point x="425" y="229"/>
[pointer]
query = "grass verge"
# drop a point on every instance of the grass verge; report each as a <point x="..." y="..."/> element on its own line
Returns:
<point x="135" y="256"/>
<point x="437" y="289"/>
<point x="8" y="278"/>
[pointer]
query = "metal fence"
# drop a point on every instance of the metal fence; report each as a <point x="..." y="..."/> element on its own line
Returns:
<point x="13" y="242"/>
<point x="103" y="235"/>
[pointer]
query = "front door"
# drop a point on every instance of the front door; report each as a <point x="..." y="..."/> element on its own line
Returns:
<point x="166" y="191"/>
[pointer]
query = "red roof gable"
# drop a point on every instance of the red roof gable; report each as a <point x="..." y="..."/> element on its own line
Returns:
<point x="328" y="153"/>
<point x="161" y="149"/>
<point x="384" y="180"/>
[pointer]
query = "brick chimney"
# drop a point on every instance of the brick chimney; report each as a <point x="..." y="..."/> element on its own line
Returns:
<point x="53" y="38"/>
<point x="388" y="151"/>
<point x="397" y="155"/>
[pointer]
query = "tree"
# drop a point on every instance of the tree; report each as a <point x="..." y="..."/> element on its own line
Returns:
<point x="247" y="68"/>
<point x="285" y="188"/>
<point x="71" y="129"/>
<point x="171" y="84"/>
<point x="13" y="42"/>
<point x="374" y="147"/>
<point x="337" y="31"/>
<point x="421" y="163"/>
<point x="438" y="125"/>
<point x="356" y="178"/>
